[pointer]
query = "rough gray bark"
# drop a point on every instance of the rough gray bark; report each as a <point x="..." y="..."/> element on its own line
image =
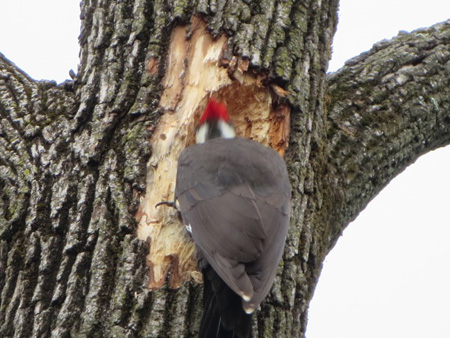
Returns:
<point x="387" y="107"/>
<point x="73" y="160"/>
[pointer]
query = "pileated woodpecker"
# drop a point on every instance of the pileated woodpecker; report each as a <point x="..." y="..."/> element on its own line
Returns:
<point x="234" y="198"/>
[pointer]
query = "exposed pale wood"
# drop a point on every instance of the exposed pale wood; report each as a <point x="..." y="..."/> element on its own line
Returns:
<point x="195" y="71"/>
<point x="74" y="158"/>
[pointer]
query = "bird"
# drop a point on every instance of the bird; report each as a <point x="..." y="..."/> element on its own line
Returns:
<point x="233" y="195"/>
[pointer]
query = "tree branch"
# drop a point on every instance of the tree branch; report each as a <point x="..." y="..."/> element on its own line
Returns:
<point x="387" y="107"/>
<point x="34" y="123"/>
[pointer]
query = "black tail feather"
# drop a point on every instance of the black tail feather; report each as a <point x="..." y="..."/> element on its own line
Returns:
<point x="223" y="315"/>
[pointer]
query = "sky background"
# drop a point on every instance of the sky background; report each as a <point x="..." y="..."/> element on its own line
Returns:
<point x="389" y="274"/>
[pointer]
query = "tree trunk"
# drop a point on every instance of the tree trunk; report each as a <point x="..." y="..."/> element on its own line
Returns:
<point x="83" y="253"/>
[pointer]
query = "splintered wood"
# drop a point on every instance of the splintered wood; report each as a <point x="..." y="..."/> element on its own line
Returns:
<point x="194" y="73"/>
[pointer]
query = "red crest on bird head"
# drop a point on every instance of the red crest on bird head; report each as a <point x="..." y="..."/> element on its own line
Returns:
<point x="215" y="111"/>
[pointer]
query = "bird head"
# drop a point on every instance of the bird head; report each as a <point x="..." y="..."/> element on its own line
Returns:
<point x="214" y="123"/>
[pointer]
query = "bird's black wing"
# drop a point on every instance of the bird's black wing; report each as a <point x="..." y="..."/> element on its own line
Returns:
<point x="234" y="195"/>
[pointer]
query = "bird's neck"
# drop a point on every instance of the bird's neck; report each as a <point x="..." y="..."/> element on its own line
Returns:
<point x="214" y="129"/>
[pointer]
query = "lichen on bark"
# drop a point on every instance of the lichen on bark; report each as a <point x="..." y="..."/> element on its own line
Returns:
<point x="74" y="157"/>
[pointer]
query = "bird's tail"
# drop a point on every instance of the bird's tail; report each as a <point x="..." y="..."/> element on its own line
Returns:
<point x="223" y="315"/>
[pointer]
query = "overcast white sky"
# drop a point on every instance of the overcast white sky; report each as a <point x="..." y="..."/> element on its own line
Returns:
<point x="389" y="274"/>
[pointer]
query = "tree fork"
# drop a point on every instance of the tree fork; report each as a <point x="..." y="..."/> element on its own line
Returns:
<point x="73" y="157"/>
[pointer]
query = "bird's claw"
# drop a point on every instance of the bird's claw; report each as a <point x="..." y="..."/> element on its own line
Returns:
<point x="168" y="203"/>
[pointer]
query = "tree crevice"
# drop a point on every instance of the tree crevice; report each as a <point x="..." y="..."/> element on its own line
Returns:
<point x="74" y="157"/>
